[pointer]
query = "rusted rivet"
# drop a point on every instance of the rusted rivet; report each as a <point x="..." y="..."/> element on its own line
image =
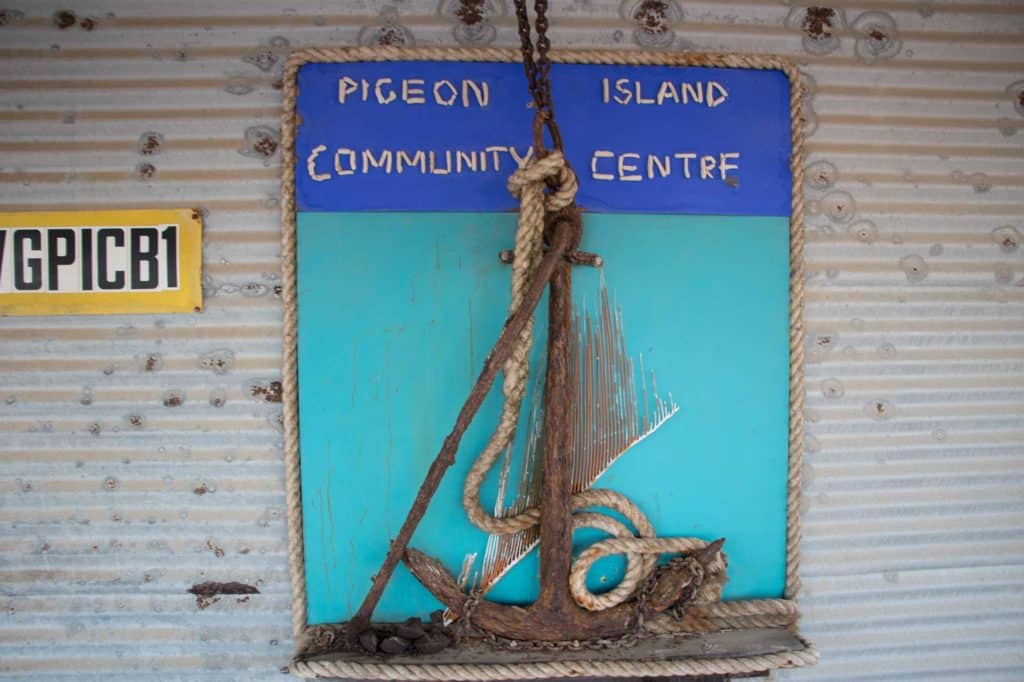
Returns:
<point x="63" y="19"/>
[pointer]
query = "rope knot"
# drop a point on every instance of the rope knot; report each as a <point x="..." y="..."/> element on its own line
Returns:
<point x="554" y="167"/>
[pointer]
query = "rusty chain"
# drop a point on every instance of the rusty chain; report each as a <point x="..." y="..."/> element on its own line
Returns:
<point x="538" y="72"/>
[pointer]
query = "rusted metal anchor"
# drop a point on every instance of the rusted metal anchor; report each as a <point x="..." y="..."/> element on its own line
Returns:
<point x="555" y="615"/>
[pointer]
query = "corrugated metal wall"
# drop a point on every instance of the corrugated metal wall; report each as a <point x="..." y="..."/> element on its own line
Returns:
<point x="114" y="500"/>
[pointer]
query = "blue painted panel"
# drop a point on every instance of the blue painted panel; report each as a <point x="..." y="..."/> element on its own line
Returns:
<point x="396" y="312"/>
<point x="624" y="154"/>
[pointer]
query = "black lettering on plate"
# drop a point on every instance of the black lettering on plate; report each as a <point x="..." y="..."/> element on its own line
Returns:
<point x="147" y="256"/>
<point x="170" y="235"/>
<point x="102" y="237"/>
<point x="53" y="250"/>
<point x="33" y="265"/>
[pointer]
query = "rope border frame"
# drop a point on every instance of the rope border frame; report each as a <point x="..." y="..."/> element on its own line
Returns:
<point x="289" y="380"/>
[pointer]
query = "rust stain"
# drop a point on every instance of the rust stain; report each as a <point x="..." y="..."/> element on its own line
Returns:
<point x="145" y="171"/>
<point x="652" y="16"/>
<point x="470" y="12"/>
<point x="174" y="399"/>
<point x="88" y="23"/>
<point x="818" y="22"/>
<point x="270" y="391"/>
<point x="63" y="19"/>
<point x="150" y="143"/>
<point x="207" y="593"/>
<point x="217" y="550"/>
<point x="152" y="363"/>
<point x="135" y="420"/>
<point x="202" y="489"/>
<point x="390" y="36"/>
<point x="265" y="146"/>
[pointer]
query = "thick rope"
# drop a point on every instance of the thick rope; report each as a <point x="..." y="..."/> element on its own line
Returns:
<point x="741" y="613"/>
<point x="289" y="371"/>
<point x="527" y="184"/>
<point x="531" y="671"/>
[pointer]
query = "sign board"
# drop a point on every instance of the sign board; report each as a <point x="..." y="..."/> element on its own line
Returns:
<point x="401" y="209"/>
<point x="100" y="262"/>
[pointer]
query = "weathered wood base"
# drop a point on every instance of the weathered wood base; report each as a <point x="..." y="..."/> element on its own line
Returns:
<point x="475" y="650"/>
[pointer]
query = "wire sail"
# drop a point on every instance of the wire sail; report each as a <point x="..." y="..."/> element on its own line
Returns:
<point x="612" y="412"/>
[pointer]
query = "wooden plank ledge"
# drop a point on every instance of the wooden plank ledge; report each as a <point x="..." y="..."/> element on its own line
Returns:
<point x="728" y="644"/>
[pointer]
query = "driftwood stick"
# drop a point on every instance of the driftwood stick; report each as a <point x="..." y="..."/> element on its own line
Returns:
<point x="446" y="457"/>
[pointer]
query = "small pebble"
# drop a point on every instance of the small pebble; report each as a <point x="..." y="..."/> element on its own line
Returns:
<point x="394" y="645"/>
<point x="368" y="640"/>
<point x="432" y="643"/>
<point x="410" y="629"/>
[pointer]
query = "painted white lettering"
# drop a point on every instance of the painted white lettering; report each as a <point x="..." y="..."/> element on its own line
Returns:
<point x="346" y="86"/>
<point x="691" y="93"/>
<point x="419" y="158"/>
<point x="481" y="92"/>
<point x="437" y="170"/>
<point x="382" y="97"/>
<point x="667" y="91"/>
<point x="467" y="159"/>
<point x="351" y="161"/>
<point x="707" y="167"/>
<point x="655" y="160"/>
<point x="311" y="164"/>
<point x="521" y="161"/>
<point x="640" y="99"/>
<point x="723" y="162"/>
<point x="600" y="154"/>
<point x="494" y="154"/>
<point x="604" y="90"/>
<point x="625" y="94"/>
<point x="382" y="161"/>
<point x="453" y="94"/>
<point x="714" y="101"/>
<point x="627" y="170"/>
<point x="686" y="161"/>
<point x="411" y="92"/>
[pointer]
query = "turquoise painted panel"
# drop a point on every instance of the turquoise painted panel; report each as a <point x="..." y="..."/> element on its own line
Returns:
<point x="398" y="310"/>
